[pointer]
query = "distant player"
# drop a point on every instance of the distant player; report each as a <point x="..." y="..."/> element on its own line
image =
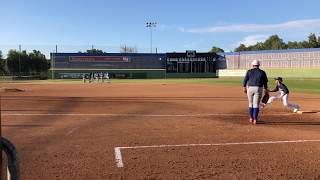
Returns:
<point x="102" y="77"/>
<point x="90" y="77"/>
<point x="83" y="78"/>
<point x="284" y="95"/>
<point x="107" y="77"/>
<point x="96" y="78"/>
<point x="86" y="77"/>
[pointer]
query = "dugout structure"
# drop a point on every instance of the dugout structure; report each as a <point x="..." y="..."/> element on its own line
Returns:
<point x="134" y="65"/>
<point x="191" y="64"/>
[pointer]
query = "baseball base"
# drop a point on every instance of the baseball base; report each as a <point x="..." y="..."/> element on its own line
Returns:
<point x="303" y="112"/>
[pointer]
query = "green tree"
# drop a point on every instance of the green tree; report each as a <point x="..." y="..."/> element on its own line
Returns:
<point x="39" y="62"/>
<point x="274" y="42"/>
<point x="304" y="44"/>
<point x="26" y="63"/>
<point x="16" y="61"/>
<point x="260" y="46"/>
<point x="215" y="49"/>
<point x="241" y="47"/>
<point x="313" y="41"/>
<point x="95" y="51"/>
<point x="2" y="64"/>
<point x="293" y="45"/>
<point x="257" y="47"/>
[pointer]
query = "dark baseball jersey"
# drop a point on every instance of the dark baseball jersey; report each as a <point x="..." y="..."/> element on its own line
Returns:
<point x="256" y="77"/>
<point x="281" y="87"/>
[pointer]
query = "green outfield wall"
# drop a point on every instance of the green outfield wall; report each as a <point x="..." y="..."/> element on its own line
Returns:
<point x="125" y="74"/>
<point x="113" y="73"/>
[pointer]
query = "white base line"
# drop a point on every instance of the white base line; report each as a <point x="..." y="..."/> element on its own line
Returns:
<point x="120" y="164"/>
<point x="118" y="157"/>
<point x="135" y="115"/>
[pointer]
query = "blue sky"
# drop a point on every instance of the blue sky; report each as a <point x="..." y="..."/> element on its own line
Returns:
<point x="182" y="25"/>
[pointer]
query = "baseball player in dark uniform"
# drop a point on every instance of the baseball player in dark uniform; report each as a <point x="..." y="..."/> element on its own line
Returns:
<point x="284" y="95"/>
<point x="253" y="84"/>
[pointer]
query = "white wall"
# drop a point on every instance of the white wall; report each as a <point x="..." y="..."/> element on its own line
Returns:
<point x="231" y="72"/>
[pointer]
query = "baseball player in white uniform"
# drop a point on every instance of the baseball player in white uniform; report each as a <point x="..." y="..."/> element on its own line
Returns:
<point x="284" y="95"/>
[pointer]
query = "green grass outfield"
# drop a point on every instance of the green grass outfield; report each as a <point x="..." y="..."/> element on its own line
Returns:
<point x="294" y="73"/>
<point x="306" y="85"/>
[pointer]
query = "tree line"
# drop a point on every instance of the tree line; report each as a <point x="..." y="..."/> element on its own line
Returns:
<point x="123" y="49"/>
<point x="93" y="51"/>
<point x="35" y="62"/>
<point x="17" y="63"/>
<point x="274" y="42"/>
<point x="2" y="64"/>
<point x="24" y="63"/>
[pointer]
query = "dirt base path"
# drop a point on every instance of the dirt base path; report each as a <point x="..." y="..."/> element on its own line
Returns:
<point x="71" y="132"/>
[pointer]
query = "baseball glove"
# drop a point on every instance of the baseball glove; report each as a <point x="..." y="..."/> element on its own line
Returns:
<point x="265" y="98"/>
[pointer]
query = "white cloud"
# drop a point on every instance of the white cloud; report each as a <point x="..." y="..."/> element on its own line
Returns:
<point x="298" y="25"/>
<point x="253" y="39"/>
<point x="165" y="27"/>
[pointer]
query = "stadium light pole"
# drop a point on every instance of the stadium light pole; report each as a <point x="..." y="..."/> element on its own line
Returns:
<point x="19" y="60"/>
<point x="151" y="25"/>
<point x="52" y="61"/>
<point x="239" y="60"/>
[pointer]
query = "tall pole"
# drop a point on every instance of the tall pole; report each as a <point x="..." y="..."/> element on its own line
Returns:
<point x="239" y="60"/>
<point x="151" y="25"/>
<point x="151" y="40"/>
<point x="52" y="66"/>
<point x="19" y="60"/>
<point x="52" y="62"/>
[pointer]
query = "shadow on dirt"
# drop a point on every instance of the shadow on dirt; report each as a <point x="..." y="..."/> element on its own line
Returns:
<point x="289" y="123"/>
<point x="23" y="126"/>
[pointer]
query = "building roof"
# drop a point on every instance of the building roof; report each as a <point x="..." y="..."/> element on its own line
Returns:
<point x="108" y="54"/>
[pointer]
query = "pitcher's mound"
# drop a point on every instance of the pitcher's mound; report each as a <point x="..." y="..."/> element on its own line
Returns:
<point x="4" y="89"/>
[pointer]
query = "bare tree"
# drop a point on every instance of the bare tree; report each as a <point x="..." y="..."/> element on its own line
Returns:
<point x="128" y="49"/>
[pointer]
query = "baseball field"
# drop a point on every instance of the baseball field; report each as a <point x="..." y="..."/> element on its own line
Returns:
<point x="159" y="129"/>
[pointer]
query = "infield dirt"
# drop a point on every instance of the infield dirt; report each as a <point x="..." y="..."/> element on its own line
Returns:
<point x="70" y="132"/>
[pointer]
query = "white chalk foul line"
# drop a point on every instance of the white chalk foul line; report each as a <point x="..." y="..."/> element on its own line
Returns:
<point x="135" y="115"/>
<point x="120" y="164"/>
